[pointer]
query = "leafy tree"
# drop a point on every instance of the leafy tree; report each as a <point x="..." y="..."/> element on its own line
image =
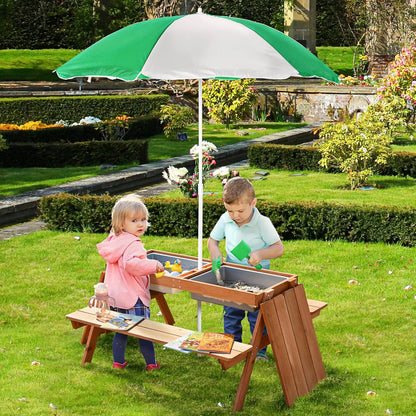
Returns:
<point x="175" y="117"/>
<point x="228" y="101"/>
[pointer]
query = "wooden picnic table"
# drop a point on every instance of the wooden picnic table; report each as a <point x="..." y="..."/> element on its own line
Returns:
<point x="290" y="332"/>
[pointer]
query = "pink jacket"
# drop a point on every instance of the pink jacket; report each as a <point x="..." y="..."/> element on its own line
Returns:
<point x="127" y="269"/>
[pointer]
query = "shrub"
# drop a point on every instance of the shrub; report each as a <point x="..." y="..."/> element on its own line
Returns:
<point x="74" y="154"/>
<point x="51" y="109"/>
<point x="175" y="118"/>
<point x="357" y="148"/>
<point x="228" y="101"/>
<point x="274" y="156"/>
<point x="399" y="84"/>
<point x="293" y="220"/>
<point x="3" y="144"/>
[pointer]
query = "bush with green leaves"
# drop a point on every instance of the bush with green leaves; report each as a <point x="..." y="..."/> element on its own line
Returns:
<point x="228" y="101"/>
<point x="175" y="118"/>
<point x="3" y="144"/>
<point x="293" y="220"/>
<point x="358" y="148"/>
<point x="399" y="84"/>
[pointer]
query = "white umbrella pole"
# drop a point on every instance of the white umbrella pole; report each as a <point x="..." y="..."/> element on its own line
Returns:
<point x="200" y="196"/>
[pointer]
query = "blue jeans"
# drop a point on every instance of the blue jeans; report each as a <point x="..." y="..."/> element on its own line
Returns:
<point x="120" y="340"/>
<point x="232" y="323"/>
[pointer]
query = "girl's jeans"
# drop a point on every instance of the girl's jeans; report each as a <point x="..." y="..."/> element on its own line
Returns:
<point x="120" y="340"/>
<point x="232" y="323"/>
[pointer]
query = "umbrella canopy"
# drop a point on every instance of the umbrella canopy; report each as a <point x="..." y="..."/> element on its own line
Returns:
<point x="197" y="46"/>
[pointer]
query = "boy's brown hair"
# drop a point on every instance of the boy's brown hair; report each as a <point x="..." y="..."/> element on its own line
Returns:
<point x="238" y="189"/>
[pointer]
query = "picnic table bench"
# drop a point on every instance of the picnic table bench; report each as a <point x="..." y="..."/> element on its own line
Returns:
<point x="287" y="316"/>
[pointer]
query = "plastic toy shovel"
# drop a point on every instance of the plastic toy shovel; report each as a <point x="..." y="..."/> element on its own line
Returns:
<point x="242" y="251"/>
<point x="216" y="265"/>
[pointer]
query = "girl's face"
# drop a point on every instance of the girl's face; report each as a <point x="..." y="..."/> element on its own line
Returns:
<point x="135" y="224"/>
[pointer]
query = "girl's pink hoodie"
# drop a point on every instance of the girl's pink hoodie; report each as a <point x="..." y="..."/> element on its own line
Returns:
<point x="127" y="269"/>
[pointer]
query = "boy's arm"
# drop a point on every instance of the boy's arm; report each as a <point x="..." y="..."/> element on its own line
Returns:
<point x="214" y="249"/>
<point x="271" y="252"/>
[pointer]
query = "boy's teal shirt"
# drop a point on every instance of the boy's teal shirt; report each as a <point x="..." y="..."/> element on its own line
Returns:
<point x="258" y="233"/>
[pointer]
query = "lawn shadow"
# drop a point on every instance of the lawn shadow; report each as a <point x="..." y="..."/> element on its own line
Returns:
<point x="382" y="183"/>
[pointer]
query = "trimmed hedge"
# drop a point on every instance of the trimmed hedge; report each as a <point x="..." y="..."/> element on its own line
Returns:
<point x="142" y="127"/>
<point x="275" y="156"/>
<point x="293" y="220"/>
<point x="74" y="154"/>
<point x="52" y="109"/>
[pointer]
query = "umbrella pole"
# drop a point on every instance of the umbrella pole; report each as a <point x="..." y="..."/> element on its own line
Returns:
<point x="200" y="195"/>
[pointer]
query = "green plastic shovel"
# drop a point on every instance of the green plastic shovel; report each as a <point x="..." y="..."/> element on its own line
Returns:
<point x="216" y="265"/>
<point x="242" y="251"/>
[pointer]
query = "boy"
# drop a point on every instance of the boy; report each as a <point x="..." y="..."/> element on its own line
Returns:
<point x="243" y="221"/>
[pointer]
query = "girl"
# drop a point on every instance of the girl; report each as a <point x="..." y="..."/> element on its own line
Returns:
<point x="127" y="271"/>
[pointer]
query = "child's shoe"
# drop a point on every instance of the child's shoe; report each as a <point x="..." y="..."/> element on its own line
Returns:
<point x="261" y="356"/>
<point x="151" y="367"/>
<point x="118" y="365"/>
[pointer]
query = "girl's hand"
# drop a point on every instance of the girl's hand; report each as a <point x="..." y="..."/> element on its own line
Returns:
<point x="159" y="267"/>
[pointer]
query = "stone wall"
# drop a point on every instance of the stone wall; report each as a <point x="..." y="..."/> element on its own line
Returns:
<point x="317" y="104"/>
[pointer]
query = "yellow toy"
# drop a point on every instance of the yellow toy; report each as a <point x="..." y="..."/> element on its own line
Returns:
<point x="176" y="267"/>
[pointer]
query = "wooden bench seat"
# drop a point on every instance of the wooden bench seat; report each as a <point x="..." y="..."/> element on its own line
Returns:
<point x="150" y="330"/>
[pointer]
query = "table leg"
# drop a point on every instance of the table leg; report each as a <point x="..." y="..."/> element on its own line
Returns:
<point x="256" y="341"/>
<point x="85" y="334"/>
<point x="164" y="308"/>
<point x="93" y="335"/>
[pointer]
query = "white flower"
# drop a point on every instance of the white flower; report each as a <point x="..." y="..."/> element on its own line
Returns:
<point x="221" y="172"/>
<point x="62" y="123"/>
<point x="176" y="175"/>
<point x="207" y="147"/>
<point x="166" y="177"/>
<point x="90" y="120"/>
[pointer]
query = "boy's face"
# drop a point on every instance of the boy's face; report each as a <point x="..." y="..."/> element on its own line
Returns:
<point x="135" y="224"/>
<point x="241" y="211"/>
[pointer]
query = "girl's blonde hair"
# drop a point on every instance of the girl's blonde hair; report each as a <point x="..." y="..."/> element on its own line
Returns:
<point x="127" y="205"/>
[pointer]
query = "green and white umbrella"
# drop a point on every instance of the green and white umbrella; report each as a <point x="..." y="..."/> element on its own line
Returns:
<point x="197" y="46"/>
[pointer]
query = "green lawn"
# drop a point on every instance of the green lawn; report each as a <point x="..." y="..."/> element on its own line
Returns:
<point x="285" y="186"/>
<point x="32" y="65"/>
<point x="366" y="336"/>
<point x="339" y="59"/>
<point x="37" y="65"/>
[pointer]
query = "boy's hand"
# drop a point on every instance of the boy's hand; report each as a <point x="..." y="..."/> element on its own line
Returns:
<point x="255" y="258"/>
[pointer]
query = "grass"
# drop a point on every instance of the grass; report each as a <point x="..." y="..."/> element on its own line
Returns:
<point x="339" y="59"/>
<point x="366" y="336"/>
<point x="286" y="186"/>
<point x="160" y="148"/>
<point x="18" y="180"/>
<point x="32" y="65"/>
<point x="404" y="142"/>
<point x="37" y="65"/>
